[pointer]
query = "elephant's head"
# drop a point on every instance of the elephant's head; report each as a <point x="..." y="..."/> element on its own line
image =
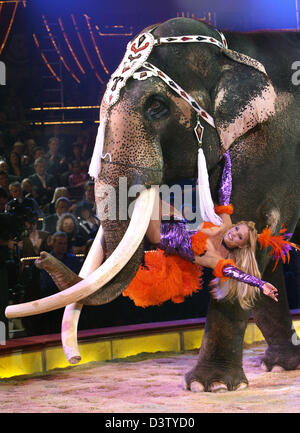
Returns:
<point x="147" y="122"/>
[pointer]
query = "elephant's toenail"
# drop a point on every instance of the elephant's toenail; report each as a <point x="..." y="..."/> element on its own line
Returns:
<point x="242" y="385"/>
<point x="197" y="387"/>
<point x="277" y="369"/>
<point x="218" y="387"/>
<point x="263" y="366"/>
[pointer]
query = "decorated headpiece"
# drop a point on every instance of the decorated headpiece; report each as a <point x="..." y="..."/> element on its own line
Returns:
<point x="280" y="244"/>
<point x="135" y="58"/>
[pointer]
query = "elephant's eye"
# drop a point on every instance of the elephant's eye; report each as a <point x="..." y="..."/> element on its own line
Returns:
<point x="156" y="109"/>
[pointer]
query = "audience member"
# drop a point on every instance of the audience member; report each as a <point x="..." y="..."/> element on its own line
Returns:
<point x="30" y="146"/>
<point x="26" y="186"/>
<point x="55" y="161"/>
<point x="77" y="179"/>
<point x="60" y="191"/>
<point x="4" y="182"/>
<point x="89" y="196"/>
<point x="4" y="196"/>
<point x="4" y="167"/>
<point x="78" y="154"/>
<point x="36" y="241"/>
<point x="17" y="194"/>
<point x="15" y="158"/>
<point x="45" y="182"/>
<point x="77" y="238"/>
<point x="52" y="320"/>
<point x="38" y="152"/>
<point x="88" y="222"/>
<point x="62" y="205"/>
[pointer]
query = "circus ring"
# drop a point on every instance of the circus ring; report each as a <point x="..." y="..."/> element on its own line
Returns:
<point x="147" y="359"/>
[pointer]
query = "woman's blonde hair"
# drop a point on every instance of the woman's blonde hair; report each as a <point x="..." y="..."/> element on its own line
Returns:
<point x="245" y="259"/>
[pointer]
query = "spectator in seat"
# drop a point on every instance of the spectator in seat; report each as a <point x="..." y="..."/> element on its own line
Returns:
<point x="76" y="180"/>
<point x="62" y="205"/>
<point x="52" y="320"/>
<point x="60" y="191"/>
<point x="26" y="186"/>
<point x="88" y="222"/>
<point x="4" y="196"/>
<point x="89" y="196"/>
<point x="15" y="158"/>
<point x="17" y="194"/>
<point x="45" y="182"/>
<point x="4" y="182"/>
<point x="55" y="161"/>
<point x="4" y="167"/>
<point x="76" y="237"/>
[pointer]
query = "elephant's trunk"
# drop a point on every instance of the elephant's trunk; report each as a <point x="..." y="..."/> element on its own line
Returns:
<point x="114" y="231"/>
<point x="62" y="276"/>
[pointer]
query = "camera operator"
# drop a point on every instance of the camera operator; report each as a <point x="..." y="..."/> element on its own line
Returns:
<point x="15" y="280"/>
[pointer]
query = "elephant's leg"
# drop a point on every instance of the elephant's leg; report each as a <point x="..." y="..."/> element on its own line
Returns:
<point x="219" y="366"/>
<point x="275" y="322"/>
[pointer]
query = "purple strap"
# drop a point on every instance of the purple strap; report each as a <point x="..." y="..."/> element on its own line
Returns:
<point x="226" y="184"/>
<point x="235" y="273"/>
<point x="176" y="240"/>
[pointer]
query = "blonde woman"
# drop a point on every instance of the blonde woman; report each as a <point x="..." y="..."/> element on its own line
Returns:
<point x="174" y="270"/>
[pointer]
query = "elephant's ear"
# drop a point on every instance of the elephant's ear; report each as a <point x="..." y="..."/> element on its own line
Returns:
<point x="244" y="98"/>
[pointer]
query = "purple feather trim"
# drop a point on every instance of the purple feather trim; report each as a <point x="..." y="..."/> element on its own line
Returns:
<point x="176" y="240"/>
<point x="235" y="273"/>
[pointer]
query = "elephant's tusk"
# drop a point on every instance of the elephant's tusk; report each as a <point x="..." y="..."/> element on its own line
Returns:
<point x="111" y="267"/>
<point x="72" y="312"/>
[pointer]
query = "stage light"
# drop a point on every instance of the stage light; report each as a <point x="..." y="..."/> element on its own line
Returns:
<point x="69" y="46"/>
<point x="45" y="59"/>
<point x="94" y="42"/>
<point x="10" y="25"/>
<point x="85" y="50"/>
<point x="58" y="51"/>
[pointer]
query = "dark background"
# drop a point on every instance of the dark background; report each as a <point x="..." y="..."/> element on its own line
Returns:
<point x="118" y="21"/>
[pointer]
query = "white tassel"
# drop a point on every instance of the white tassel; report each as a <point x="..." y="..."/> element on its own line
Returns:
<point x="206" y="204"/>
<point x="95" y="165"/>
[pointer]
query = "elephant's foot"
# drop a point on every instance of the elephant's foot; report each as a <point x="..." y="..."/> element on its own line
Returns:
<point x="281" y="357"/>
<point x="213" y="378"/>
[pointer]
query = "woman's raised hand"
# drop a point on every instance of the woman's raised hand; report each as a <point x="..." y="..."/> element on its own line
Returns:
<point x="270" y="290"/>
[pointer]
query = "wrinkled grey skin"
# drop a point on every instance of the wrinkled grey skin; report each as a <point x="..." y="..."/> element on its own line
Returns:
<point x="151" y="140"/>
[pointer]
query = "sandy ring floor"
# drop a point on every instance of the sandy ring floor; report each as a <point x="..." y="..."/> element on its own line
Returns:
<point x="148" y="384"/>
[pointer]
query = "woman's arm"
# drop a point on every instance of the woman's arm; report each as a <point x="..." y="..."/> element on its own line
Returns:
<point x="235" y="273"/>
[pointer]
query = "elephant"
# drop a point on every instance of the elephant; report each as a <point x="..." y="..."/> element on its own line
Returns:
<point x="235" y="90"/>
